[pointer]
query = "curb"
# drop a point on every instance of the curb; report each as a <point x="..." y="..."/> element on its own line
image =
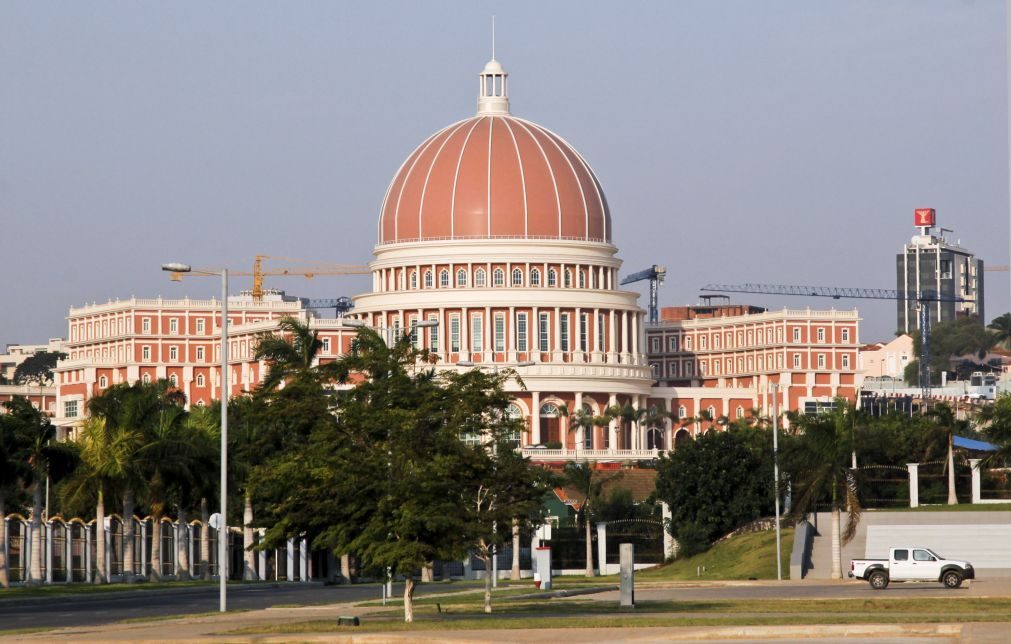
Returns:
<point x="565" y="593"/>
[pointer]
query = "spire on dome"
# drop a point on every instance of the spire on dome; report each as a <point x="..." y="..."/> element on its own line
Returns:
<point x="493" y="94"/>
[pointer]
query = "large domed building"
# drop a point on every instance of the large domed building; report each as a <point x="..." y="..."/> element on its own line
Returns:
<point x="497" y="228"/>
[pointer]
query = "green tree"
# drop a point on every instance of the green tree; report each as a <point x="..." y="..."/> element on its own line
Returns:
<point x="950" y="339"/>
<point x="1000" y="329"/>
<point x="290" y="355"/>
<point x="819" y="465"/>
<point x="715" y="484"/>
<point x="37" y="368"/>
<point x="995" y="420"/>
<point x="12" y="470"/>
<point x="45" y="458"/>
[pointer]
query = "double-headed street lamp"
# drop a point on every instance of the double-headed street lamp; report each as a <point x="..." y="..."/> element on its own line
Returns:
<point x="176" y="269"/>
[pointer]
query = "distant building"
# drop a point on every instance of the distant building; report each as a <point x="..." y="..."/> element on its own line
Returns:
<point x="720" y="361"/>
<point x="933" y="263"/>
<point x="15" y="354"/>
<point x="886" y="359"/>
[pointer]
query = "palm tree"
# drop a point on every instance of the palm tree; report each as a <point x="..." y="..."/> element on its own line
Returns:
<point x="292" y="354"/>
<point x="130" y="411"/>
<point x="1001" y="327"/>
<point x="11" y="469"/>
<point x="819" y="462"/>
<point x="45" y="459"/>
<point x="995" y="420"/>
<point x="106" y="456"/>
<point x="583" y="477"/>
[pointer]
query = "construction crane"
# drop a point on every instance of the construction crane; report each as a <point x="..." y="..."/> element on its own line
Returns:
<point x="859" y="293"/>
<point x="655" y="274"/>
<point x="307" y="270"/>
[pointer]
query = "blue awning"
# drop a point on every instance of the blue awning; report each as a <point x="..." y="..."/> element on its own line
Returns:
<point x="968" y="443"/>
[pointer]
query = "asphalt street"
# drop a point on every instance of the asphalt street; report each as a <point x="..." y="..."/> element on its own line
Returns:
<point x="97" y="609"/>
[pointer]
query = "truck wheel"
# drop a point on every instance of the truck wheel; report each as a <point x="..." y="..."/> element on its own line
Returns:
<point x="879" y="580"/>
<point x="952" y="579"/>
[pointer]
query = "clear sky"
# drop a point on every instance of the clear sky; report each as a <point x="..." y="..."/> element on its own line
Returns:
<point x="775" y="141"/>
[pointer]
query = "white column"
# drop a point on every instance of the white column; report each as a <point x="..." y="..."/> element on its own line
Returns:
<point x="88" y="575"/>
<point x="635" y="337"/>
<point x="303" y="561"/>
<point x="914" y="484"/>
<point x="580" y="439"/>
<point x="624" y="334"/>
<point x="49" y="550"/>
<point x="511" y="333"/>
<point x="612" y="349"/>
<point x="535" y="418"/>
<point x="290" y="559"/>
<point x="974" y="467"/>
<point x="602" y="547"/>
<point x="261" y="560"/>
<point x="556" y="348"/>
<point x="612" y="427"/>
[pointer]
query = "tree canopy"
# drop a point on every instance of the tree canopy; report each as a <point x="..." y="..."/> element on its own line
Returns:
<point x="37" y="369"/>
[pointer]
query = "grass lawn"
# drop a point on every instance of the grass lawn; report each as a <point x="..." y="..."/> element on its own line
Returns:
<point x="464" y="614"/>
<point x="54" y="590"/>
<point x="746" y="556"/>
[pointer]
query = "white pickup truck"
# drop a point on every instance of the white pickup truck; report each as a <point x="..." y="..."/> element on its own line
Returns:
<point x="911" y="564"/>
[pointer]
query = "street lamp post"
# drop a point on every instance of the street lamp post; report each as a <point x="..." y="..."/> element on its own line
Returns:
<point x="775" y="471"/>
<point x="225" y="390"/>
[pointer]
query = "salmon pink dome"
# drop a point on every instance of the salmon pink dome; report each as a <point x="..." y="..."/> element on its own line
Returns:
<point x="494" y="176"/>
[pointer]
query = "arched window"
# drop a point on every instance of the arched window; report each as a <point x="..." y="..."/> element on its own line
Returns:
<point x="461" y="277"/>
<point x="549" y="410"/>
<point x="200" y="380"/>
<point x="498" y="277"/>
<point x="712" y="412"/>
<point x="200" y="403"/>
<point x="552" y="277"/>
<point x="103" y="382"/>
<point x="682" y="412"/>
<point x="146" y="378"/>
<point x="517" y="277"/>
<point x="444" y="278"/>
<point x="479" y="277"/>
<point x="568" y="278"/>
<point x="428" y="279"/>
<point x="414" y="280"/>
<point x="535" y="277"/>
<point x="514" y="412"/>
<point x="174" y="379"/>
<point x="740" y="412"/>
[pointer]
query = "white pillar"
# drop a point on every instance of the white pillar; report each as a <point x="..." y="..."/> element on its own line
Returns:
<point x="602" y="547"/>
<point x="49" y="551"/>
<point x="88" y="577"/>
<point x="580" y="438"/>
<point x="68" y="533"/>
<point x="262" y="558"/>
<point x="668" y="538"/>
<point x="612" y="427"/>
<point x="974" y="466"/>
<point x="143" y="550"/>
<point x="535" y="417"/>
<point x="303" y="560"/>
<point x="290" y="559"/>
<point x="914" y="484"/>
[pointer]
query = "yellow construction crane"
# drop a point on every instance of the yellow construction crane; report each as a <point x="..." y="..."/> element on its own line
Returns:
<point x="306" y="269"/>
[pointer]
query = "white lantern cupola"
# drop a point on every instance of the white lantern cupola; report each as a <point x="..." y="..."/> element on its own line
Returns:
<point x="493" y="95"/>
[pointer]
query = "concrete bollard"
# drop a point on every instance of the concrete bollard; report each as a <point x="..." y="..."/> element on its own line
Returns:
<point x="627" y="575"/>
<point x="542" y="566"/>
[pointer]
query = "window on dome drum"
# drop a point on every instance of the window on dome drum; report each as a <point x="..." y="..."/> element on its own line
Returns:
<point x="414" y="280"/>
<point x="428" y="279"/>
<point x="568" y="278"/>
<point x="454" y="333"/>
<point x="200" y="380"/>
<point x="461" y="277"/>
<point x="600" y="332"/>
<point x="433" y="335"/>
<point x="535" y="277"/>
<point x="479" y="277"/>
<point x="543" y="331"/>
<point x="584" y="324"/>
<point x="521" y="331"/>
<point x="564" y="328"/>
<point x="552" y="277"/>
<point x="500" y="332"/>
<point x="476" y="328"/>
<point x="444" y="279"/>
<point x="582" y="279"/>
<point x="517" y="277"/>
<point x="498" y="277"/>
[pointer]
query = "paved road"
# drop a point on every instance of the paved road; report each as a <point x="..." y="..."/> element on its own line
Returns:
<point x="89" y="610"/>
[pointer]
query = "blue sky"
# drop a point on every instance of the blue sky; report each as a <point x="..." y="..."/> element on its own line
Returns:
<point x="776" y="141"/>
